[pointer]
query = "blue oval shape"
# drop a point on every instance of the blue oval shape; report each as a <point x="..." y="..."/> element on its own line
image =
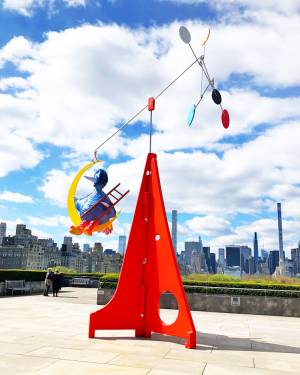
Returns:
<point x="191" y="115"/>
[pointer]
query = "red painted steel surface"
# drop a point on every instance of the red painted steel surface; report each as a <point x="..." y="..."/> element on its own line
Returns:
<point x="149" y="269"/>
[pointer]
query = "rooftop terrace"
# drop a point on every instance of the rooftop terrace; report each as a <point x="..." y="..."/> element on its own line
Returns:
<point x="45" y="335"/>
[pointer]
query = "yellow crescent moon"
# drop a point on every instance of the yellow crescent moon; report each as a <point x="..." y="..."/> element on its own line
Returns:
<point x="102" y="227"/>
<point x="74" y="216"/>
<point x="205" y="39"/>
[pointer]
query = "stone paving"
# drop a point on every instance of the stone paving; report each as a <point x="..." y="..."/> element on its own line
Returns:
<point x="47" y="335"/>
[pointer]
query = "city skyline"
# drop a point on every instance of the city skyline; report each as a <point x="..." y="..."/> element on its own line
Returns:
<point x="24" y="250"/>
<point x="73" y="72"/>
<point x="122" y="242"/>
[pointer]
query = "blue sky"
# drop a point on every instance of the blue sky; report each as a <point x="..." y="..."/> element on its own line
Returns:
<point x="72" y="71"/>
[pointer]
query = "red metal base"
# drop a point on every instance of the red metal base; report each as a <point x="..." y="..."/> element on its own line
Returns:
<point x="149" y="269"/>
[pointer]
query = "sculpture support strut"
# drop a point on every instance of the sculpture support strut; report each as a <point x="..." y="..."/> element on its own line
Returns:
<point x="149" y="269"/>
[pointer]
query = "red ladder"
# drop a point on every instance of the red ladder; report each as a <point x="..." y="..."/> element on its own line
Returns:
<point x="113" y="194"/>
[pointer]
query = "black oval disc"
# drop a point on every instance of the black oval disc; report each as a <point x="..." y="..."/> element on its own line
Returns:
<point x="216" y="96"/>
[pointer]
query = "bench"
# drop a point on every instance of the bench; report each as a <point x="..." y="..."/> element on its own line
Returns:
<point x="16" y="286"/>
<point x="80" y="281"/>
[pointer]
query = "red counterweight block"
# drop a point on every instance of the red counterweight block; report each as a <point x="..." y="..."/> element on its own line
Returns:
<point x="149" y="269"/>
<point x="151" y="104"/>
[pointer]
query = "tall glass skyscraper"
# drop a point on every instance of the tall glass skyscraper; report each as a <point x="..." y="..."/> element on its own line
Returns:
<point x="255" y="247"/>
<point x="273" y="261"/>
<point x="221" y="260"/>
<point x="280" y="240"/>
<point x="295" y="255"/>
<point x="206" y="252"/>
<point x="233" y="255"/>
<point x="213" y="264"/>
<point x="174" y="230"/>
<point x="122" y="244"/>
<point x="264" y="254"/>
<point x="245" y="255"/>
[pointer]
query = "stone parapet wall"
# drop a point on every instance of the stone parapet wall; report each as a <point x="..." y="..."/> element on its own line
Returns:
<point x="36" y="287"/>
<point x="256" y="305"/>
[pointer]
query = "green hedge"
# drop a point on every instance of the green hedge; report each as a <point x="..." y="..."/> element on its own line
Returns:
<point x="207" y="287"/>
<point x="243" y="284"/>
<point x="27" y="275"/>
<point x="224" y="290"/>
<point x="108" y="284"/>
<point x="84" y="274"/>
<point x="257" y="279"/>
<point x="243" y="292"/>
<point x="37" y="275"/>
<point x="113" y="278"/>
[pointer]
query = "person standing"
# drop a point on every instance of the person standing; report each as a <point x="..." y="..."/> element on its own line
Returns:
<point x="48" y="281"/>
<point x="56" y="283"/>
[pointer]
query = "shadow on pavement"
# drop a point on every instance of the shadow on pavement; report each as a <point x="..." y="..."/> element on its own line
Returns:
<point x="223" y="342"/>
<point x="208" y="341"/>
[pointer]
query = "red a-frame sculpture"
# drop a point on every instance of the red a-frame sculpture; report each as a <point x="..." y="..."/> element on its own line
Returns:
<point x="149" y="269"/>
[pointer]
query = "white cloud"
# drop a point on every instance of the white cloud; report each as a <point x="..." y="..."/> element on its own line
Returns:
<point x="24" y="7"/>
<point x="181" y="229"/>
<point x="93" y="94"/>
<point x="13" y="82"/>
<point x="17" y="50"/>
<point x="55" y="187"/>
<point x="16" y="152"/>
<point x="28" y="7"/>
<point x="40" y="233"/>
<point x="75" y="3"/>
<point x="120" y="228"/>
<point x="209" y="225"/>
<point x="51" y="221"/>
<point x="15" y="197"/>
<point x="287" y="6"/>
